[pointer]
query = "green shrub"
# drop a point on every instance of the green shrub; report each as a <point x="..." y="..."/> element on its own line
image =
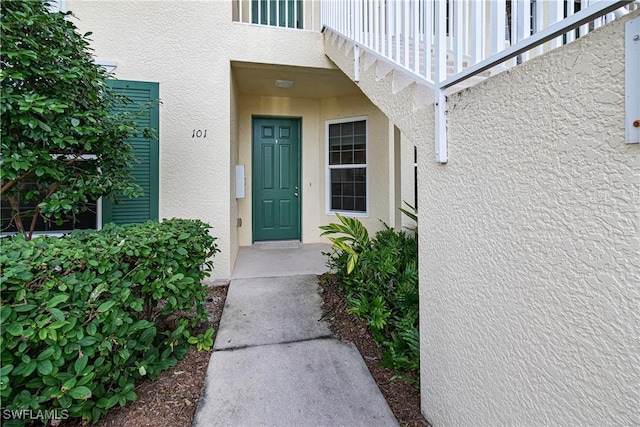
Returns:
<point x="380" y="277"/>
<point x="86" y="315"/>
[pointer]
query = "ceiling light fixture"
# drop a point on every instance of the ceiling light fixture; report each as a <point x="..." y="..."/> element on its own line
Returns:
<point x="284" y="84"/>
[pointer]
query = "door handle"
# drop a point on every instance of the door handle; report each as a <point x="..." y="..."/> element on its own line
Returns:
<point x="295" y="194"/>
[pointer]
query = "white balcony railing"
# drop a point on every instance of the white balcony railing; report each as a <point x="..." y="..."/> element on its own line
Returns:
<point x="470" y="31"/>
<point x="442" y="43"/>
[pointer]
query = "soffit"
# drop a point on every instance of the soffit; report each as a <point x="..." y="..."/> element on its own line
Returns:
<point x="259" y="80"/>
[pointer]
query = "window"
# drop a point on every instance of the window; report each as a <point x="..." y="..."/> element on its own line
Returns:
<point x="280" y="13"/>
<point x="87" y="220"/>
<point x="57" y="6"/>
<point x="347" y="166"/>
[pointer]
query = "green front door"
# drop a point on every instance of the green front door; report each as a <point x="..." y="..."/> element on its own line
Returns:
<point x="276" y="179"/>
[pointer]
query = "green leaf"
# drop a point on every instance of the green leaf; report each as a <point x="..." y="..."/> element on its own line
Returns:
<point x="57" y="313"/>
<point x="5" y="370"/>
<point x="92" y="329"/>
<point x="29" y="368"/>
<point x="80" y="364"/>
<point x="45" y="127"/>
<point x="46" y="353"/>
<point x="70" y="383"/>
<point x="5" y="312"/>
<point x="80" y="393"/>
<point x="57" y="300"/>
<point x="106" y="306"/>
<point x="45" y="367"/>
<point x="14" y="329"/>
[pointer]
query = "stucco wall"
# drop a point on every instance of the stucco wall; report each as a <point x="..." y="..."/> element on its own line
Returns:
<point x="234" y="238"/>
<point x="188" y="49"/>
<point x="529" y="241"/>
<point x="176" y="47"/>
<point x="530" y="259"/>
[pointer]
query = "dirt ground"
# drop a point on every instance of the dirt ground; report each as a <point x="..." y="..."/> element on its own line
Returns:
<point x="172" y="398"/>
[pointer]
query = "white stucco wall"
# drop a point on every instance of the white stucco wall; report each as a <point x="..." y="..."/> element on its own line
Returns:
<point x="529" y="242"/>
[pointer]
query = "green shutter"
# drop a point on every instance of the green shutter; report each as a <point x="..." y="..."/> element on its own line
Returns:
<point x="145" y="173"/>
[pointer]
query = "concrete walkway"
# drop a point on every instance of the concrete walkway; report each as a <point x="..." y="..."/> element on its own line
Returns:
<point x="275" y="363"/>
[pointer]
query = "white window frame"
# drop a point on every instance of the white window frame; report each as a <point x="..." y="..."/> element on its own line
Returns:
<point x="57" y="6"/>
<point x="329" y="167"/>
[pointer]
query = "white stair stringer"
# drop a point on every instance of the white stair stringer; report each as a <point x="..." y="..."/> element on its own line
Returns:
<point x="404" y="102"/>
<point x="400" y="81"/>
<point x="382" y="70"/>
<point x="399" y="94"/>
<point x="369" y="60"/>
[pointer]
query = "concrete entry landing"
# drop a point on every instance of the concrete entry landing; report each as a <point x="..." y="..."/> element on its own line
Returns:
<point x="276" y="363"/>
<point x="284" y="258"/>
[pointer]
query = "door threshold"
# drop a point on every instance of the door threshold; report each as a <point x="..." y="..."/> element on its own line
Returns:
<point x="278" y="244"/>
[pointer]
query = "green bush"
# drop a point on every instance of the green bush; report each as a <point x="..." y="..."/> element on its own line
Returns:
<point x="86" y="315"/>
<point x="380" y="276"/>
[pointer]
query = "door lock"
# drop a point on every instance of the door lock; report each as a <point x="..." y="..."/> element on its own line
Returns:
<point x="295" y="194"/>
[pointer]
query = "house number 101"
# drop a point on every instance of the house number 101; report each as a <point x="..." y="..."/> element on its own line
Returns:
<point x="198" y="133"/>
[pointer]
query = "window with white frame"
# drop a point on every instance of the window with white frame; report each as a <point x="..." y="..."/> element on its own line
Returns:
<point x="347" y="184"/>
<point x="57" y="5"/>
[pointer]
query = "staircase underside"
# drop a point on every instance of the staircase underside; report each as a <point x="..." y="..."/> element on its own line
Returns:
<point x="401" y="94"/>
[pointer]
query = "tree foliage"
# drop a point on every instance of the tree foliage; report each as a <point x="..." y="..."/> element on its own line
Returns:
<point x="62" y="145"/>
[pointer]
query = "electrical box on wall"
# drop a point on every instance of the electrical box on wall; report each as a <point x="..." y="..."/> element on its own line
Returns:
<point x="240" y="182"/>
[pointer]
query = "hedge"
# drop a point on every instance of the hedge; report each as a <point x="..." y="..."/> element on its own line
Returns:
<point x="87" y="315"/>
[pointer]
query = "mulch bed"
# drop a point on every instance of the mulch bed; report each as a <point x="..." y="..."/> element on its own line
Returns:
<point x="403" y="399"/>
<point x="172" y="398"/>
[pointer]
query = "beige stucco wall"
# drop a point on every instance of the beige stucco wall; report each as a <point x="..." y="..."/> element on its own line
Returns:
<point x="529" y="241"/>
<point x="176" y="47"/>
<point x="234" y="238"/>
<point x="188" y="48"/>
<point x="530" y="261"/>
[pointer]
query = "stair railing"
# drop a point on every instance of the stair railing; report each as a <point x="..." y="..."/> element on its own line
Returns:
<point x="443" y="43"/>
